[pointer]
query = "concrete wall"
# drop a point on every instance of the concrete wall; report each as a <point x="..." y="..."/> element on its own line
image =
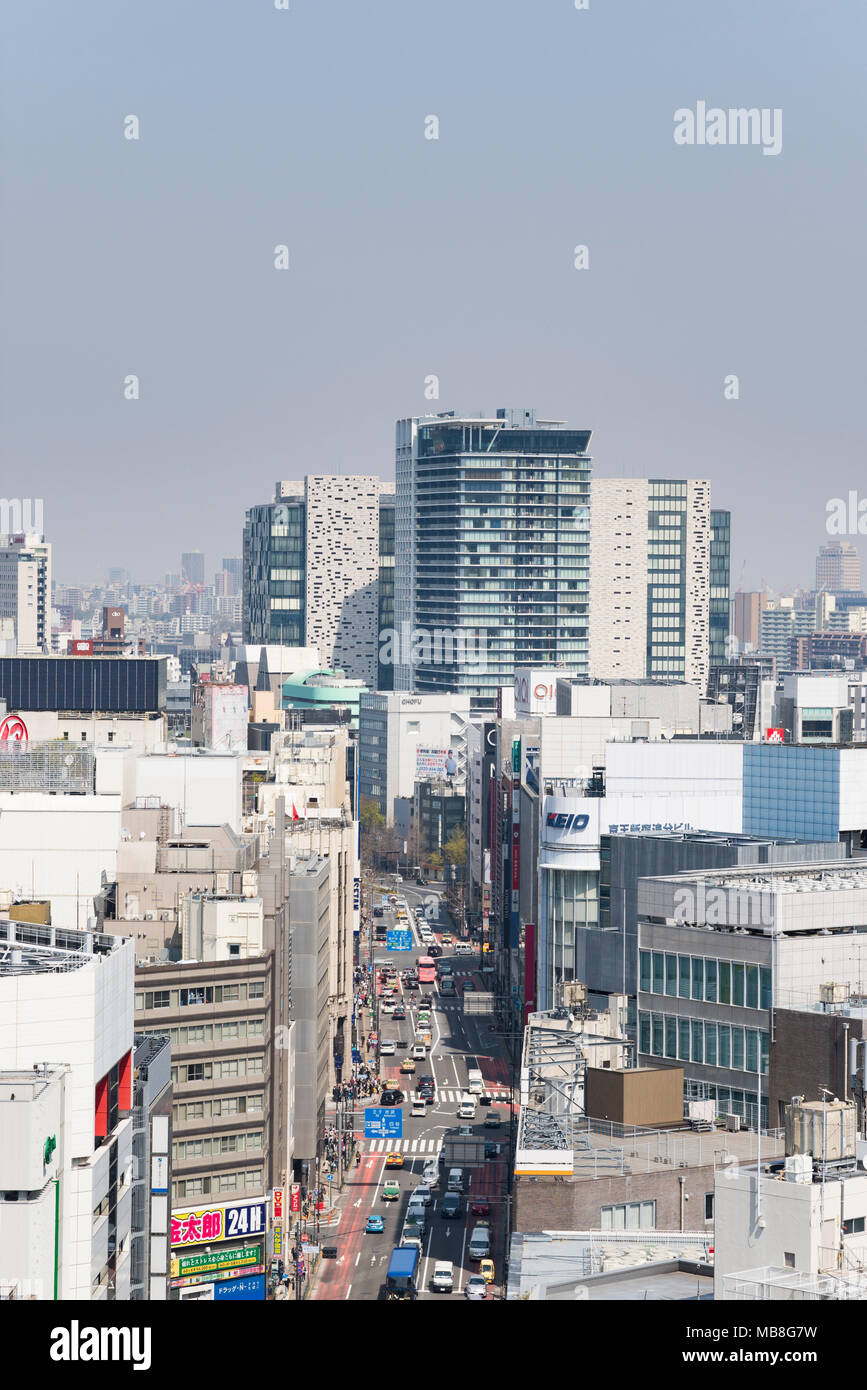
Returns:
<point x="576" y="1204"/>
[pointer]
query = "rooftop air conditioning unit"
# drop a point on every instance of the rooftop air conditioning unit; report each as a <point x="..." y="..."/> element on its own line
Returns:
<point x="832" y="993"/>
<point x="732" y="1123"/>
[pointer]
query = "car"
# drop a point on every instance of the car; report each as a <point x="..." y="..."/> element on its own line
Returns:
<point x="451" y="1206"/>
<point x="469" y="987"/>
<point x="487" y="1271"/>
<point x="445" y="967"/>
<point x="386" y="1048"/>
<point x="412" y="984"/>
<point x="484" y="1100"/>
<point x="426" y="1083"/>
<point x="480" y="1209"/>
<point x="398" y="1012"/>
<point x="390" y="1191"/>
<point x="443" y="1280"/>
<point x="377" y="912"/>
<point x="419" y="1052"/>
<point x="431" y="1172"/>
<point x="477" y="1287"/>
<point x="447" y="939"/>
<point x="465" y="1131"/>
<point x="407" y="1065"/>
<point x="387" y="1007"/>
<point x="375" y="1225"/>
<point x="421" y="1194"/>
<point x="493" y="1119"/>
<point x="434" y="950"/>
<point x="419" y="1107"/>
<point x="394" y="1160"/>
<point x="392" y="1096"/>
<point x="493" y="1150"/>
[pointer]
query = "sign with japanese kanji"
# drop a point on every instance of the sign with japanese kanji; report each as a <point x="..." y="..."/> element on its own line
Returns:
<point x="219" y="1223"/>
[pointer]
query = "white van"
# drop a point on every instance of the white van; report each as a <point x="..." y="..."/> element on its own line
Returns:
<point x="419" y="1108"/>
<point x="456" y="1180"/>
<point x="463" y="948"/>
<point x="467" y="1108"/>
<point x="479" y="1247"/>
<point x="475" y="1084"/>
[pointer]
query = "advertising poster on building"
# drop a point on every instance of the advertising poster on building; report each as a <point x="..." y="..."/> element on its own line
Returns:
<point x="434" y="764"/>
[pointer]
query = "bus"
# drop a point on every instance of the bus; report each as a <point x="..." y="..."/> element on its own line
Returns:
<point x="427" y="971"/>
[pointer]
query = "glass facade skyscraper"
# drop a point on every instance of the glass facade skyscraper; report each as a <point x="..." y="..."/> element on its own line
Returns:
<point x="720" y="582"/>
<point x="491" y="550"/>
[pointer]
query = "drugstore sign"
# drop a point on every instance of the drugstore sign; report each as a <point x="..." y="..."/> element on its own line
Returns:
<point x="219" y="1223"/>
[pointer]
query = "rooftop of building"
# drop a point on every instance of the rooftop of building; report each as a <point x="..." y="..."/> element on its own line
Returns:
<point x="28" y="948"/>
<point x="827" y="876"/>
<point x="148" y="1047"/>
<point x="567" y="1265"/>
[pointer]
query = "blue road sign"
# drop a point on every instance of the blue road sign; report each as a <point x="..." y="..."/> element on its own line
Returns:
<point x="398" y="940"/>
<point x="383" y="1122"/>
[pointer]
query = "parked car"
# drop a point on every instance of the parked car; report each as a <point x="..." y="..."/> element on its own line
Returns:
<point x="451" y="1205"/>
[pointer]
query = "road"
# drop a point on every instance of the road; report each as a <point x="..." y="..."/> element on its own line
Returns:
<point x="457" y="1043"/>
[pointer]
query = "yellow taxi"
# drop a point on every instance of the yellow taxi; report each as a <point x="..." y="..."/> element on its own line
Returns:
<point x="394" y="1160"/>
<point x="407" y="1065"/>
<point x="486" y="1269"/>
<point x="446" y="938"/>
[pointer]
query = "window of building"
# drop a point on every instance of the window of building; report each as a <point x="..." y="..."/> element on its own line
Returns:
<point x="671" y="975"/>
<point x="234" y="948"/>
<point x="230" y="992"/>
<point x="853" y="1226"/>
<point x="737" y="1049"/>
<point x="697" y="977"/>
<point x="202" y="994"/>
<point x="629" y="1216"/>
<point x="257" y="989"/>
<point x="255" y="1064"/>
<point x="685" y="977"/>
<point x="737" y="984"/>
<point x="708" y="1206"/>
<point x="710" y="981"/>
<point x="671" y="1038"/>
<point x="752" y="986"/>
<point x="157" y="999"/>
<point x="789" y="1259"/>
<point x="658" y="972"/>
<point x="683" y="1039"/>
<point x="725" y="982"/>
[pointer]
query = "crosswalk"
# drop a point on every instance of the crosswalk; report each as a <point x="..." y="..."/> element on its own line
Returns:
<point x="452" y="1097"/>
<point x="404" y="1146"/>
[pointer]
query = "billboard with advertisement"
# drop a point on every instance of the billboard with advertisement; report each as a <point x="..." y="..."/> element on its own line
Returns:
<point x="219" y="1222"/>
<point x="226" y="707"/>
<point x="775" y="736"/>
<point x="434" y="764"/>
<point x="224" y="1263"/>
<point x="295" y="1197"/>
<point x="277" y="1205"/>
<point x="536" y="689"/>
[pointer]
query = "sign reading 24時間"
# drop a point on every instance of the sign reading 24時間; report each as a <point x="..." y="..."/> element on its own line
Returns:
<point x="219" y="1223"/>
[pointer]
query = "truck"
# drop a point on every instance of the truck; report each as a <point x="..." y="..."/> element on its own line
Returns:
<point x="400" y="1278"/>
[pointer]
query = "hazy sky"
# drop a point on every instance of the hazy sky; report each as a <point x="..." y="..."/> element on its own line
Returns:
<point x="411" y="257"/>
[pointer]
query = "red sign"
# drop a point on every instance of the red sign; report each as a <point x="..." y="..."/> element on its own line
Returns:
<point x="529" y="969"/>
<point x="775" y="736"/>
<point x="278" y="1204"/>
<point x="295" y="1197"/>
<point x="13" y="728"/>
<point x="81" y="647"/>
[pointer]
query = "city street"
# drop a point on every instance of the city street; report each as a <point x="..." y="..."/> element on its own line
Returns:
<point x="457" y="1044"/>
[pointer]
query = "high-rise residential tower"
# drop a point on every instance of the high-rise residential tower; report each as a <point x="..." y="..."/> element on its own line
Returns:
<point x="311" y="571"/>
<point x="25" y="590"/>
<point x="838" y="568"/>
<point x="385" y="669"/>
<point x="491" y="550"/>
<point x="650" y="579"/>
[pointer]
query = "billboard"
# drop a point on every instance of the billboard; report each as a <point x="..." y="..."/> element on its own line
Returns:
<point x="536" y="689"/>
<point x="220" y="1222"/>
<point x="226" y="708"/>
<point x="434" y="764"/>
<point x="223" y="1263"/>
<point x="775" y="736"/>
<point x="569" y="822"/>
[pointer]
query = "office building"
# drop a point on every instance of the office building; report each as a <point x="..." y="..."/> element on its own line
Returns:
<point x="152" y="1159"/>
<point x="311" y="571"/>
<point x="720" y="583"/>
<point x="404" y="739"/>
<point x="719" y="951"/>
<point x="66" y="1146"/>
<point x="838" y="567"/>
<point x="650" y="579"/>
<point x="781" y="621"/>
<point x="385" y="669"/>
<point x="193" y="568"/>
<point x="491" y="551"/>
<point x="25" y="591"/>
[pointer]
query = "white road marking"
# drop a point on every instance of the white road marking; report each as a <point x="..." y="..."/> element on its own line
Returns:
<point x="349" y="1291"/>
<point x="357" y="1258"/>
